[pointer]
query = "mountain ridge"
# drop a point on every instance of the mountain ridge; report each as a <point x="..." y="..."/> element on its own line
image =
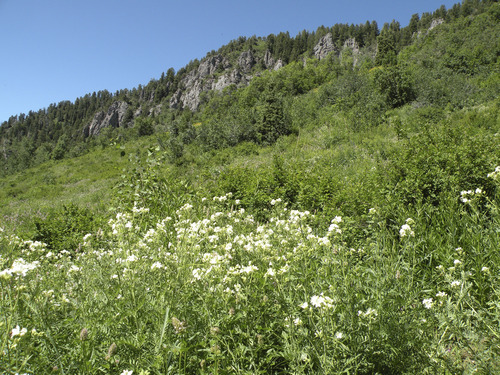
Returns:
<point x="63" y="129"/>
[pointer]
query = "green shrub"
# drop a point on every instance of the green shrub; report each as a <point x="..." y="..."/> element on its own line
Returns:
<point x="64" y="228"/>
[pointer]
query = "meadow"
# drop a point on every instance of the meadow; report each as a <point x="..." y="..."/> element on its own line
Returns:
<point x="173" y="280"/>
<point x="336" y="216"/>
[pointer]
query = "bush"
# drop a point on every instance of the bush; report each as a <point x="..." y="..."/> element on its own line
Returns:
<point x="64" y="228"/>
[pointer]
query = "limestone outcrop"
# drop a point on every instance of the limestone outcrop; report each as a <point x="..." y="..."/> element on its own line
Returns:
<point x="217" y="73"/>
<point x="324" y="47"/>
<point x="114" y="117"/>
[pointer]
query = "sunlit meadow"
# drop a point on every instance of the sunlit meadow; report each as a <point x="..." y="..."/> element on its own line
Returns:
<point x="212" y="290"/>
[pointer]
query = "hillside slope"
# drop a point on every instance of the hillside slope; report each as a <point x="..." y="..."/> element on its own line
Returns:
<point x="70" y="129"/>
<point x="337" y="215"/>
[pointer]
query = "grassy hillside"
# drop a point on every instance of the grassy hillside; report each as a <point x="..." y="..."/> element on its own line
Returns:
<point x="327" y="218"/>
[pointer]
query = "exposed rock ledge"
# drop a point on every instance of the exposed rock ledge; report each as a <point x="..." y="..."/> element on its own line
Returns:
<point x="216" y="73"/>
<point x="113" y="117"/>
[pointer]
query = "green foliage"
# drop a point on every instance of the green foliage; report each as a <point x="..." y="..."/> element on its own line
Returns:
<point x="358" y="234"/>
<point x="144" y="126"/>
<point x="272" y="123"/>
<point x="386" y="49"/>
<point x="449" y="156"/>
<point x="64" y="228"/>
<point x="211" y="288"/>
<point x="395" y="84"/>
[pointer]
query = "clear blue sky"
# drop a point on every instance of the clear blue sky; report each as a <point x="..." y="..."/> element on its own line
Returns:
<point x="54" y="50"/>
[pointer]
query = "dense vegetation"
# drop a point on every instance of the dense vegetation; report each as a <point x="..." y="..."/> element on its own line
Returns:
<point x="333" y="216"/>
<point x="57" y="132"/>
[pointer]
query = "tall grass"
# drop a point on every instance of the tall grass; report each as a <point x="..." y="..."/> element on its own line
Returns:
<point x="209" y="289"/>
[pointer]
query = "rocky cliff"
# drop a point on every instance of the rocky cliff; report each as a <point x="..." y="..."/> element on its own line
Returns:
<point x="114" y="117"/>
<point x="325" y="46"/>
<point x="217" y="73"/>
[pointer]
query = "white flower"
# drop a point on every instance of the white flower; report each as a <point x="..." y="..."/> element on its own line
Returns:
<point x="334" y="228"/>
<point x="455" y="284"/>
<point x="495" y="174"/>
<point x="197" y="273"/>
<point x="441" y="294"/>
<point x="248" y="269"/>
<point x="156" y="265"/>
<point x="427" y="303"/>
<point x="274" y="201"/>
<point x="339" y="335"/>
<point x="406" y="231"/>
<point x="337" y="220"/>
<point x="127" y="372"/>
<point x="485" y="269"/>
<point x="74" y="268"/>
<point x="270" y="272"/>
<point x="305" y="305"/>
<point x="456" y="261"/>
<point x="322" y="301"/>
<point x="20" y="267"/>
<point x="132" y="258"/>
<point x="372" y="211"/>
<point x="18" y="332"/>
<point x="317" y="301"/>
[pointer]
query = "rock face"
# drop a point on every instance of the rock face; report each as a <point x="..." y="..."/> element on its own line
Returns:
<point x="324" y="47"/>
<point x="246" y="61"/>
<point x="113" y="117"/>
<point x="351" y="43"/>
<point x="436" y="22"/>
<point x="279" y="64"/>
<point x="205" y="78"/>
<point x="197" y="81"/>
<point x="268" y="60"/>
<point x="235" y="77"/>
<point x="217" y="73"/>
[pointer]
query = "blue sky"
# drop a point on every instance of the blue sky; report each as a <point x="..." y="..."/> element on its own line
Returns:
<point x="54" y="50"/>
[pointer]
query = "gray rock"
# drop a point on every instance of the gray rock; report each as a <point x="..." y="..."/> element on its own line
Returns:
<point x="268" y="59"/>
<point x="352" y="44"/>
<point x="324" y="47"/>
<point x="279" y="64"/>
<point x="156" y="110"/>
<point x="436" y="22"/>
<point x="198" y="81"/>
<point x="113" y="117"/>
<point x="210" y="65"/>
<point x="246" y="61"/>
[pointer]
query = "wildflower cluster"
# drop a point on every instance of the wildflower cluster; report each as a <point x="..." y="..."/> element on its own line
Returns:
<point x="495" y="175"/>
<point x="406" y="230"/>
<point x="19" y="268"/>
<point x="466" y="196"/>
<point x="320" y="302"/>
<point x="209" y="275"/>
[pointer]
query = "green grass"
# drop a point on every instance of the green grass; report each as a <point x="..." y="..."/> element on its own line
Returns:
<point x="306" y="267"/>
<point x="86" y="181"/>
<point x="211" y="290"/>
